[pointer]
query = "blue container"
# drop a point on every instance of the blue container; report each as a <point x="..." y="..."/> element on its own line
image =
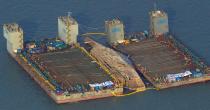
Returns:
<point x="19" y="50"/>
<point x="178" y="78"/>
<point x="146" y="33"/>
<point x="58" y="91"/>
<point x="198" y="75"/>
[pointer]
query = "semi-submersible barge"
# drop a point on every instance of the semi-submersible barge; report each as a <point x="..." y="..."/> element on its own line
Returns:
<point x="63" y="68"/>
<point x="161" y="58"/>
<point x="69" y="72"/>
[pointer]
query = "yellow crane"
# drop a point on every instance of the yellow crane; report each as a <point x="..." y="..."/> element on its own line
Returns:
<point x="21" y="39"/>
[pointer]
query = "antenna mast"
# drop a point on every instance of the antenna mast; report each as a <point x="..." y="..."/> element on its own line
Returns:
<point x="69" y="13"/>
<point x="155" y="6"/>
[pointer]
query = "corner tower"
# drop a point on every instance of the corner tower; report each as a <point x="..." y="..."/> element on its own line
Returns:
<point x="115" y="31"/>
<point x="14" y="35"/>
<point x="158" y="22"/>
<point x="68" y="29"/>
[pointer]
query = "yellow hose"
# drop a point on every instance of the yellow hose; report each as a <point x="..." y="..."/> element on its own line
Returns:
<point x="138" y="90"/>
<point x="94" y="33"/>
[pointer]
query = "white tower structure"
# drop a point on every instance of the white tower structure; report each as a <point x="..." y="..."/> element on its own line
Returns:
<point x="14" y="35"/>
<point x="68" y="29"/>
<point x="115" y="31"/>
<point x="158" y="22"/>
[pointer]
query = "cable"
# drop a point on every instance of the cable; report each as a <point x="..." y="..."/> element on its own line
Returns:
<point x="94" y="28"/>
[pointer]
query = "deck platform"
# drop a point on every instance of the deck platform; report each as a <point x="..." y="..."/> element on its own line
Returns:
<point x="71" y="67"/>
<point x="155" y="60"/>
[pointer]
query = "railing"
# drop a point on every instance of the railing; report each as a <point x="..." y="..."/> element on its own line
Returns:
<point x="53" y="83"/>
<point x="185" y="50"/>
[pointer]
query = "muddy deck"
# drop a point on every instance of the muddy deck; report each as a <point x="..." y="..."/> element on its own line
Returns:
<point x="155" y="60"/>
<point x="71" y="67"/>
<point x="158" y="58"/>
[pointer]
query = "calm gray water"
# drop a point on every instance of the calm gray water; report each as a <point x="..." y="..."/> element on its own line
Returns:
<point x="189" y="21"/>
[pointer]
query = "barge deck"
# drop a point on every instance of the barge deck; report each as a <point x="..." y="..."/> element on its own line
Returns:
<point x="69" y="69"/>
<point x="156" y="58"/>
